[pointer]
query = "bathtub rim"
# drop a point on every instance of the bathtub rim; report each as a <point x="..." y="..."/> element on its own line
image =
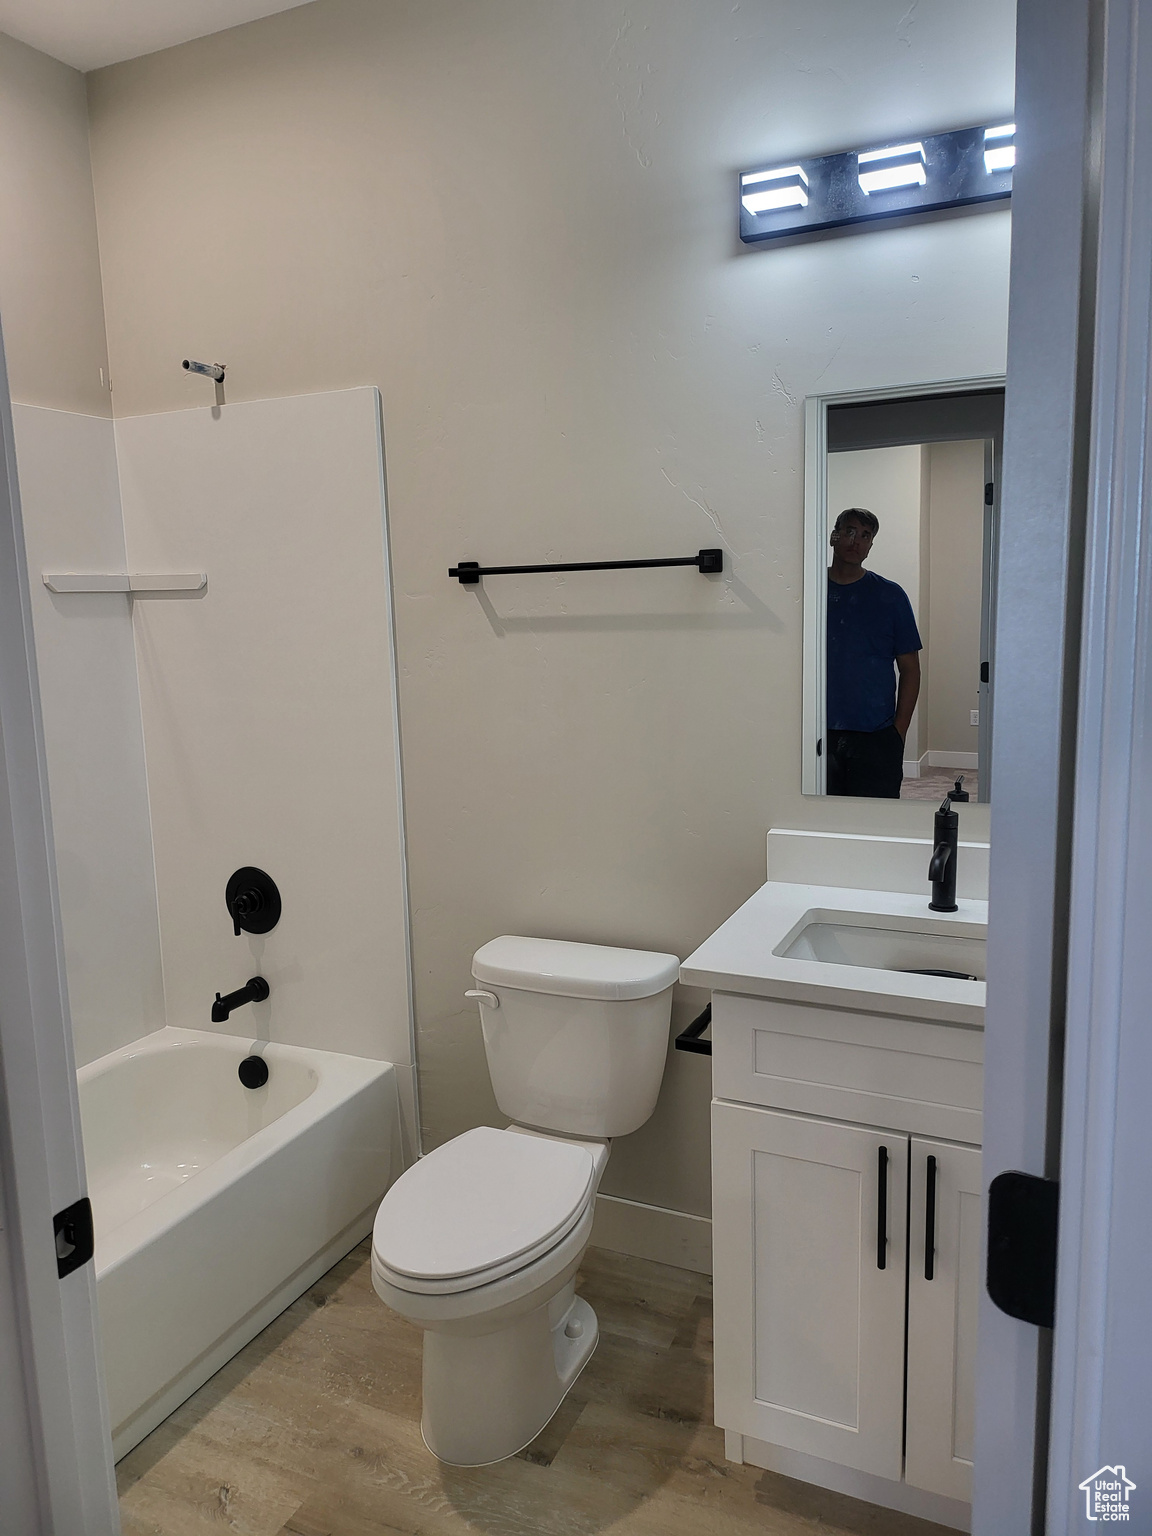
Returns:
<point x="340" y="1077"/>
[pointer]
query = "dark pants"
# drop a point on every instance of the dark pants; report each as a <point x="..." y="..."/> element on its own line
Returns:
<point x="869" y="763"/>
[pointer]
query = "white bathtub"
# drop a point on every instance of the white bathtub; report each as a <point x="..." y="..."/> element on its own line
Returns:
<point x="216" y="1205"/>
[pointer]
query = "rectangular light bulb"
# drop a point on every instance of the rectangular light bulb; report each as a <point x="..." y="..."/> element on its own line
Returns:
<point x="785" y="187"/>
<point x="880" y="170"/>
<point x="1000" y="148"/>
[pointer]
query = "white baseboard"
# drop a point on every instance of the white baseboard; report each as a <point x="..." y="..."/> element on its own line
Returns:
<point x="652" y="1232"/>
<point x="969" y="761"/>
<point x="952" y="1513"/>
<point x="912" y="767"/>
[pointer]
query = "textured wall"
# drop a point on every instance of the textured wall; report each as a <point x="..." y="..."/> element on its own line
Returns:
<point x="518" y="219"/>
<point x="50" y="300"/>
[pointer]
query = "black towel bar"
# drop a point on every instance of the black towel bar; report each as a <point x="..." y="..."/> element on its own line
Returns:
<point x="469" y="572"/>
<point x="689" y="1039"/>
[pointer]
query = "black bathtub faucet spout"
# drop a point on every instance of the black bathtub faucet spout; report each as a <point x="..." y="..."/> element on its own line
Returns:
<point x="255" y="991"/>
<point x="942" y="869"/>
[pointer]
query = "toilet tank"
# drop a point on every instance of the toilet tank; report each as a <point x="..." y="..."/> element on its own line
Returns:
<point x="577" y="1039"/>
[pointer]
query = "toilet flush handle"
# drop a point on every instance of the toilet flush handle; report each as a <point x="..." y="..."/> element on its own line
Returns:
<point x="485" y="997"/>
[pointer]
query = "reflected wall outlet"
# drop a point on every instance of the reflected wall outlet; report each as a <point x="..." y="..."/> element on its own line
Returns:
<point x="973" y="717"/>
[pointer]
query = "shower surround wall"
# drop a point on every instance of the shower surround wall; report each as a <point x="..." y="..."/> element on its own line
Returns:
<point x="93" y="734"/>
<point x="269" y="713"/>
<point x="251" y="723"/>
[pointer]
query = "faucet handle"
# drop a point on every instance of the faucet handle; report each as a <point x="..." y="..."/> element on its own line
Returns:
<point x="244" y="904"/>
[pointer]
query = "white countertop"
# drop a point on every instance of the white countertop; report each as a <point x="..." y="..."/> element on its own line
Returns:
<point x="739" y="955"/>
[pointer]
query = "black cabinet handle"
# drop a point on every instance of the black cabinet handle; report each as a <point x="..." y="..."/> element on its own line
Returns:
<point x="930" y="1221"/>
<point x="882" y="1208"/>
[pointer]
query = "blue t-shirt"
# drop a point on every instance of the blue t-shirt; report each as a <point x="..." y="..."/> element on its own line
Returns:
<point x="870" y="623"/>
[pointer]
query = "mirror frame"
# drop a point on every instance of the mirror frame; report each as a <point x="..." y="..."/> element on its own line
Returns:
<point x="812" y="761"/>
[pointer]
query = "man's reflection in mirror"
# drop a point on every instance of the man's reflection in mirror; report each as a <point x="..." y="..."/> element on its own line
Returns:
<point x="873" y="666"/>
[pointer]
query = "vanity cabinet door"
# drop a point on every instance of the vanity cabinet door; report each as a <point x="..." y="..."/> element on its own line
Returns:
<point x="943" y="1293"/>
<point x="809" y="1326"/>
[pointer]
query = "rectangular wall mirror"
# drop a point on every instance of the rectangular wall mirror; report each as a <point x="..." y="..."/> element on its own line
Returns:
<point x="901" y="510"/>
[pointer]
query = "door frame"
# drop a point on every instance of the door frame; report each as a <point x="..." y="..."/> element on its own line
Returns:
<point x="1044" y="497"/>
<point x="1101" y="1406"/>
<point x="51" y="1323"/>
<point x="993" y="455"/>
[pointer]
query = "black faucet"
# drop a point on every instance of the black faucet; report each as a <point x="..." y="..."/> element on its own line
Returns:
<point x="256" y="990"/>
<point x="942" y="869"/>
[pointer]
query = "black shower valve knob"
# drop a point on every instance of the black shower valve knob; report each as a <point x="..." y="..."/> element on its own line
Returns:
<point x="247" y="904"/>
<point x="253" y="901"/>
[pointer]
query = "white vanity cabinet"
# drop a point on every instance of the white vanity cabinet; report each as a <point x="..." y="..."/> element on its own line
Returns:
<point x="943" y="1291"/>
<point x="846" y="1234"/>
<point x="809" y="1328"/>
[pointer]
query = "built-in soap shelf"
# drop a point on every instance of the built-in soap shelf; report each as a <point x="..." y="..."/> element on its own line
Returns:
<point x="134" y="583"/>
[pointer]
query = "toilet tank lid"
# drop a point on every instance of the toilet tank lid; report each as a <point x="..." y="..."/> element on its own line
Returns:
<point x="567" y="969"/>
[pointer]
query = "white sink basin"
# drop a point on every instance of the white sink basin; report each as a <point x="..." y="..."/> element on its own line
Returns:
<point x="869" y="940"/>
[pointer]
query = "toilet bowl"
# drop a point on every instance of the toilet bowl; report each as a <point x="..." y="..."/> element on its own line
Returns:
<point x="479" y="1243"/>
<point x="491" y="1281"/>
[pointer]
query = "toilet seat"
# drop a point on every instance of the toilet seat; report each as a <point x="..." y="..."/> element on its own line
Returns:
<point x="482" y="1206"/>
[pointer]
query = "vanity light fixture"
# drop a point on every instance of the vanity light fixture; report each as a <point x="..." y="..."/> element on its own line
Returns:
<point x="883" y="169"/>
<point x="925" y="175"/>
<point x="786" y="187"/>
<point x="1000" y="148"/>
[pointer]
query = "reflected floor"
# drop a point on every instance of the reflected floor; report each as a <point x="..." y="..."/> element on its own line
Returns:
<point x="314" y="1430"/>
<point x="936" y="782"/>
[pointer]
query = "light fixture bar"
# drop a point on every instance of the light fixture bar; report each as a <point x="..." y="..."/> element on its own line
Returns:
<point x="881" y="170"/>
<point x="1000" y="148"/>
<point x="917" y="176"/>
<point x="784" y="187"/>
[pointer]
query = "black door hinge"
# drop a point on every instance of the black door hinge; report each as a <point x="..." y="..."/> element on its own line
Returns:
<point x="75" y="1238"/>
<point x="988" y="493"/>
<point x="1022" y="1215"/>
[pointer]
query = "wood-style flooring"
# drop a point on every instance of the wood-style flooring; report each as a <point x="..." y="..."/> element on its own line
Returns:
<point x="314" y="1430"/>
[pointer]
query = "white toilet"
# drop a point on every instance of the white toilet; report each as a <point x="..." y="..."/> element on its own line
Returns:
<point x="480" y="1241"/>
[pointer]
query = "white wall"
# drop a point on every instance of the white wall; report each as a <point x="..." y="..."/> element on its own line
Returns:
<point x="51" y="303"/>
<point x="269" y="719"/>
<point x="519" y="220"/>
<point x="92" y="730"/>
<point x="956" y="523"/>
<point x="887" y="481"/>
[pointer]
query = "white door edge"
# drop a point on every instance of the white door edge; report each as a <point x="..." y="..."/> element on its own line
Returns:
<point x="73" y="1485"/>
